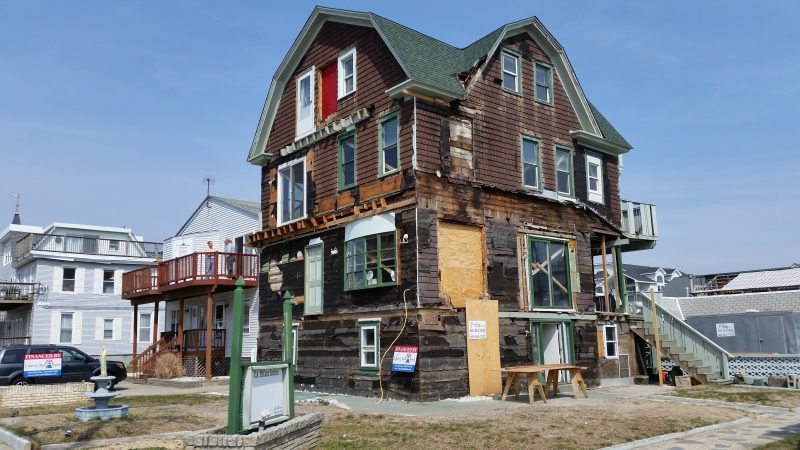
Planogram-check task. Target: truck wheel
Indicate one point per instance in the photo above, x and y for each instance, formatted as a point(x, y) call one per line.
point(19, 381)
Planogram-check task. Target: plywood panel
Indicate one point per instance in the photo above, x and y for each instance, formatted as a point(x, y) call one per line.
point(483, 354)
point(461, 262)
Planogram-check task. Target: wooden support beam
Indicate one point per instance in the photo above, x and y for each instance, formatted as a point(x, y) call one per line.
point(155, 322)
point(657, 336)
point(180, 325)
point(605, 273)
point(135, 334)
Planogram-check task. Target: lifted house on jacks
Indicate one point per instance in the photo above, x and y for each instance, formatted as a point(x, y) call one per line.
point(410, 187)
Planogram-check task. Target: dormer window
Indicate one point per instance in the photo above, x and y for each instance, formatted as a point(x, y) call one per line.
point(594, 178)
point(510, 71)
point(347, 73)
point(305, 103)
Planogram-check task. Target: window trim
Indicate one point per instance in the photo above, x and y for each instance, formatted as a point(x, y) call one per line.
point(340, 73)
point(342, 138)
point(61, 328)
point(517, 77)
point(606, 341)
point(113, 282)
point(310, 73)
point(364, 324)
point(139, 322)
point(381, 123)
point(528, 282)
point(106, 320)
point(527, 137)
point(379, 250)
point(571, 151)
point(599, 195)
point(549, 86)
point(279, 188)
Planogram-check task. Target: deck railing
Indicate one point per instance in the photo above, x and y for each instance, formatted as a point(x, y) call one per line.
point(85, 245)
point(195, 340)
point(20, 340)
point(639, 220)
point(191, 269)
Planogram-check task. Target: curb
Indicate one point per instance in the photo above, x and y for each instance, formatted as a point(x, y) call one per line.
point(14, 441)
point(668, 437)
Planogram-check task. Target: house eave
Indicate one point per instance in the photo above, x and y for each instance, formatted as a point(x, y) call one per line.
point(598, 143)
point(414, 86)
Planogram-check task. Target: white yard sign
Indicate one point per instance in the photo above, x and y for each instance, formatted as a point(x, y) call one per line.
point(266, 395)
point(477, 329)
point(725, 330)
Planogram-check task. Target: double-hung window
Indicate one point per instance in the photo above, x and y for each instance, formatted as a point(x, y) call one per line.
point(371, 261)
point(543, 78)
point(68, 280)
point(65, 335)
point(347, 161)
point(594, 178)
point(347, 73)
point(510, 63)
point(390, 152)
point(548, 263)
point(564, 171)
point(108, 282)
point(530, 162)
point(292, 191)
point(369, 343)
point(611, 342)
point(144, 327)
point(108, 329)
point(305, 103)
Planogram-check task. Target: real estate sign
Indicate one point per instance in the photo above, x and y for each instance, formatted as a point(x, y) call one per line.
point(42, 365)
point(405, 358)
point(266, 395)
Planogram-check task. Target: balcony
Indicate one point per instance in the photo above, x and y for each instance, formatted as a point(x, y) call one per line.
point(196, 269)
point(640, 225)
point(55, 243)
point(13, 294)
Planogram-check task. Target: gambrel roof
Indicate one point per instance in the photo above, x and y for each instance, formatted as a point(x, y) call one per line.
point(431, 67)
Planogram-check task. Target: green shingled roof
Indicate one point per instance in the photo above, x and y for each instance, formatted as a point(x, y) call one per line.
point(609, 132)
point(435, 63)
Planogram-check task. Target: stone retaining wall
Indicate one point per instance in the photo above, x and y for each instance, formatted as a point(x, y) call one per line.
point(44, 394)
point(302, 432)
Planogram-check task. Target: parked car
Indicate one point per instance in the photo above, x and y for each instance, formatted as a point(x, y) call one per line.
point(75, 365)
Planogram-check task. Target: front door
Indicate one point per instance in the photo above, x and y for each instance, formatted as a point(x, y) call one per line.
point(552, 344)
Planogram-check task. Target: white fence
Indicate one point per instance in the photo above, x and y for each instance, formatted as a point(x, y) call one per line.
point(765, 366)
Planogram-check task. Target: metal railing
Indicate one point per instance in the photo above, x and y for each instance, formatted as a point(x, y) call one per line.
point(85, 245)
point(20, 340)
point(691, 341)
point(17, 292)
point(639, 219)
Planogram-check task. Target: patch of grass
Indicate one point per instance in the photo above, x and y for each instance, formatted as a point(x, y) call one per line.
point(767, 397)
point(133, 401)
point(787, 443)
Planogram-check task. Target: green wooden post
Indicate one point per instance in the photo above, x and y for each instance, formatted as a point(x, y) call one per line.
point(621, 289)
point(235, 386)
point(288, 344)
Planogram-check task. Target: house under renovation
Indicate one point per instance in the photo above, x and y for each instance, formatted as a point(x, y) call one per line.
point(413, 191)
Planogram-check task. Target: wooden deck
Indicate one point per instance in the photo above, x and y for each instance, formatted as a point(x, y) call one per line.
point(217, 269)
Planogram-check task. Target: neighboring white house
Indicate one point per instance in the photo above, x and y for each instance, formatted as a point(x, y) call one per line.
point(637, 278)
point(61, 284)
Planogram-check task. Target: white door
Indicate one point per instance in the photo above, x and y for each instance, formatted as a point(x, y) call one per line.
point(313, 300)
point(305, 103)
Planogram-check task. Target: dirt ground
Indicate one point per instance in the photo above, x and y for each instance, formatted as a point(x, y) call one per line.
point(738, 394)
point(578, 426)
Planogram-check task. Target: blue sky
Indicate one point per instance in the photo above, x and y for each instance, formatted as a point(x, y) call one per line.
point(113, 112)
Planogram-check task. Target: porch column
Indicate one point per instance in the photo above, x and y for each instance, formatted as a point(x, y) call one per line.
point(155, 322)
point(209, 305)
point(135, 334)
point(180, 326)
point(621, 288)
point(605, 275)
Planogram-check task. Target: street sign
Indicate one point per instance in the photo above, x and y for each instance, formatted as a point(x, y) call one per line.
point(42, 365)
point(405, 358)
point(266, 395)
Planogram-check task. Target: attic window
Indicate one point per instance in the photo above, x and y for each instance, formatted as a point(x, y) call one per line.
point(544, 82)
point(510, 71)
point(347, 73)
point(305, 103)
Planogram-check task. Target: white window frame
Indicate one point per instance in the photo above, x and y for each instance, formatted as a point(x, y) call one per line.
point(607, 341)
point(363, 325)
point(340, 75)
point(110, 338)
point(596, 195)
point(149, 326)
point(74, 279)
point(307, 126)
point(313, 309)
point(246, 323)
point(504, 71)
point(288, 166)
point(61, 328)
point(113, 282)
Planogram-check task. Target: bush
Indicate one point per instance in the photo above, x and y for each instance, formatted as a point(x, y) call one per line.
point(168, 366)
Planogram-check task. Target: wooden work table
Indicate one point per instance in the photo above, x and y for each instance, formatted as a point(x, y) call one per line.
point(532, 376)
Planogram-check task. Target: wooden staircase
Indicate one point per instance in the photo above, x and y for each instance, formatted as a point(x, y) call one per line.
point(697, 355)
point(145, 362)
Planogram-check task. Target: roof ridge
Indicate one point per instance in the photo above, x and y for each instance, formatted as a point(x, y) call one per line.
point(415, 31)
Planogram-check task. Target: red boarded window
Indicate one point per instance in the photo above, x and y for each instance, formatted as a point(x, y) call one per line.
point(328, 90)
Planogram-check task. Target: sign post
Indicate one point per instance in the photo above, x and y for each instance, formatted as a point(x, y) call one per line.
point(288, 343)
point(235, 385)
